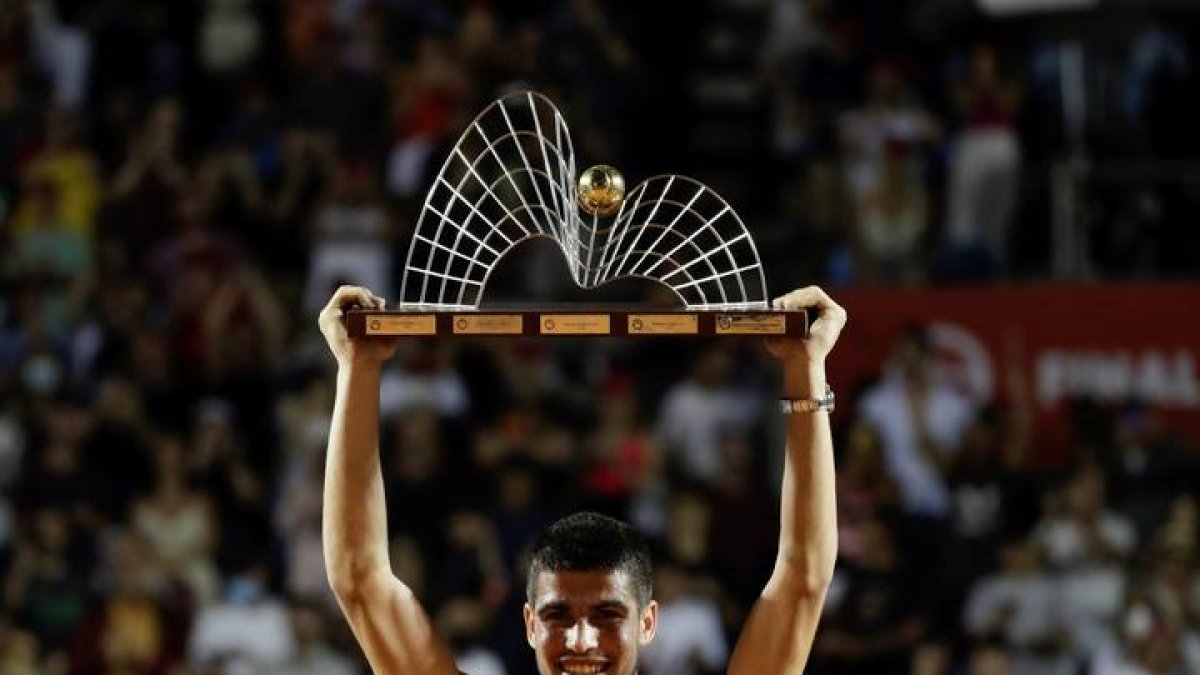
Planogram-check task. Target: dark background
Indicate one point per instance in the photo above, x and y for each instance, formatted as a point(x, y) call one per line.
point(179, 181)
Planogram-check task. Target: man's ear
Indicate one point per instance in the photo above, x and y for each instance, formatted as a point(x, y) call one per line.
point(648, 625)
point(528, 612)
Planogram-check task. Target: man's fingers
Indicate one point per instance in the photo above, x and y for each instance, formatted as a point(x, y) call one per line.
point(345, 296)
point(812, 297)
point(829, 317)
point(802, 298)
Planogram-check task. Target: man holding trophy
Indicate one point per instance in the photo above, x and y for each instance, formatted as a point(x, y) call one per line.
point(589, 602)
point(589, 605)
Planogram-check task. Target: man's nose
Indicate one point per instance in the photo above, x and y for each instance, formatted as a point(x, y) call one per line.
point(582, 637)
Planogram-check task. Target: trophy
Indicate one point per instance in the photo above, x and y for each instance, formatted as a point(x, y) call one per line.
point(511, 177)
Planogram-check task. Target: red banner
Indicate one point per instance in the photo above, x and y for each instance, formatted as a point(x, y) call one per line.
point(1112, 342)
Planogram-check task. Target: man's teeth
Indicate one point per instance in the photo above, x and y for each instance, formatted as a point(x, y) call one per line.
point(583, 668)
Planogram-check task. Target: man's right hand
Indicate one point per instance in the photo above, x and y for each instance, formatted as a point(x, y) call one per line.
point(348, 351)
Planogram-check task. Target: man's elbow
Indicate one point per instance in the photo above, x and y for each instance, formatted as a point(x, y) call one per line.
point(353, 583)
point(347, 589)
point(804, 574)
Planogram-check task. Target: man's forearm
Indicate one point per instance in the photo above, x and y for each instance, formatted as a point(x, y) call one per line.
point(808, 527)
point(778, 635)
point(355, 520)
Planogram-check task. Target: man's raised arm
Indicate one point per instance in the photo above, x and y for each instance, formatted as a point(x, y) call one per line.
point(395, 633)
point(778, 634)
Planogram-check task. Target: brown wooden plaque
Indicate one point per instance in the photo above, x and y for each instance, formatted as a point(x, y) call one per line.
point(576, 321)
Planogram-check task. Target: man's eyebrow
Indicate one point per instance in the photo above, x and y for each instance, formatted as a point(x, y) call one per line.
point(553, 606)
point(605, 605)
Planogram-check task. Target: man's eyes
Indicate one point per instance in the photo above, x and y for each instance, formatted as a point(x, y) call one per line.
point(600, 616)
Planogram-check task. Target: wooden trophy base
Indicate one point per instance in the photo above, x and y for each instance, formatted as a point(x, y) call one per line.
point(575, 321)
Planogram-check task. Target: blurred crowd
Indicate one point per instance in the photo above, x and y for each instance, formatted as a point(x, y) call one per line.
point(182, 185)
point(916, 142)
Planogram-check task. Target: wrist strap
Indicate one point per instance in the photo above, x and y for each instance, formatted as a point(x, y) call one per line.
point(787, 406)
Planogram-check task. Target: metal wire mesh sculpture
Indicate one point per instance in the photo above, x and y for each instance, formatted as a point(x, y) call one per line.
point(511, 176)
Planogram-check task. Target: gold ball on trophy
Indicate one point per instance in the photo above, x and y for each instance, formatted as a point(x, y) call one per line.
point(601, 190)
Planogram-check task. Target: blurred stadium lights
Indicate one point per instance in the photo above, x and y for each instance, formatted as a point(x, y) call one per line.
point(1008, 8)
point(1014, 7)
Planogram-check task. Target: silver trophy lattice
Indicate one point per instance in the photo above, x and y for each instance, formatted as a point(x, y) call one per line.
point(512, 176)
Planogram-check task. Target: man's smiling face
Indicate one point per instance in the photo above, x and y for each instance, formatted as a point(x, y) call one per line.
point(587, 623)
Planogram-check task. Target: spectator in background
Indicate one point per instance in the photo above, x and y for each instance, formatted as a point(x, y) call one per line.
point(177, 525)
point(345, 99)
point(67, 169)
point(131, 630)
point(864, 489)
point(1173, 587)
point(688, 538)
point(63, 50)
point(12, 451)
point(696, 411)
point(116, 455)
point(516, 514)
point(46, 585)
point(304, 419)
point(1087, 544)
point(228, 186)
point(1019, 606)
point(244, 329)
point(228, 34)
point(427, 102)
point(308, 166)
point(54, 258)
point(55, 477)
point(313, 655)
point(148, 185)
point(742, 531)
point(891, 119)
point(462, 621)
point(873, 621)
point(620, 450)
point(984, 171)
point(351, 237)
point(239, 492)
point(989, 658)
point(472, 565)
point(298, 521)
point(797, 46)
point(1145, 644)
point(584, 46)
point(691, 639)
point(426, 380)
point(920, 419)
point(1146, 466)
point(988, 496)
point(420, 477)
point(104, 338)
point(891, 219)
point(192, 265)
point(19, 654)
point(247, 631)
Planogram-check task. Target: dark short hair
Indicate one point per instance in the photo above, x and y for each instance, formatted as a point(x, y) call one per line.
point(586, 542)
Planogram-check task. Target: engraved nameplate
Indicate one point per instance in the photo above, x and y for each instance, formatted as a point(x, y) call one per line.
point(487, 324)
point(399, 324)
point(574, 324)
point(663, 324)
point(751, 324)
